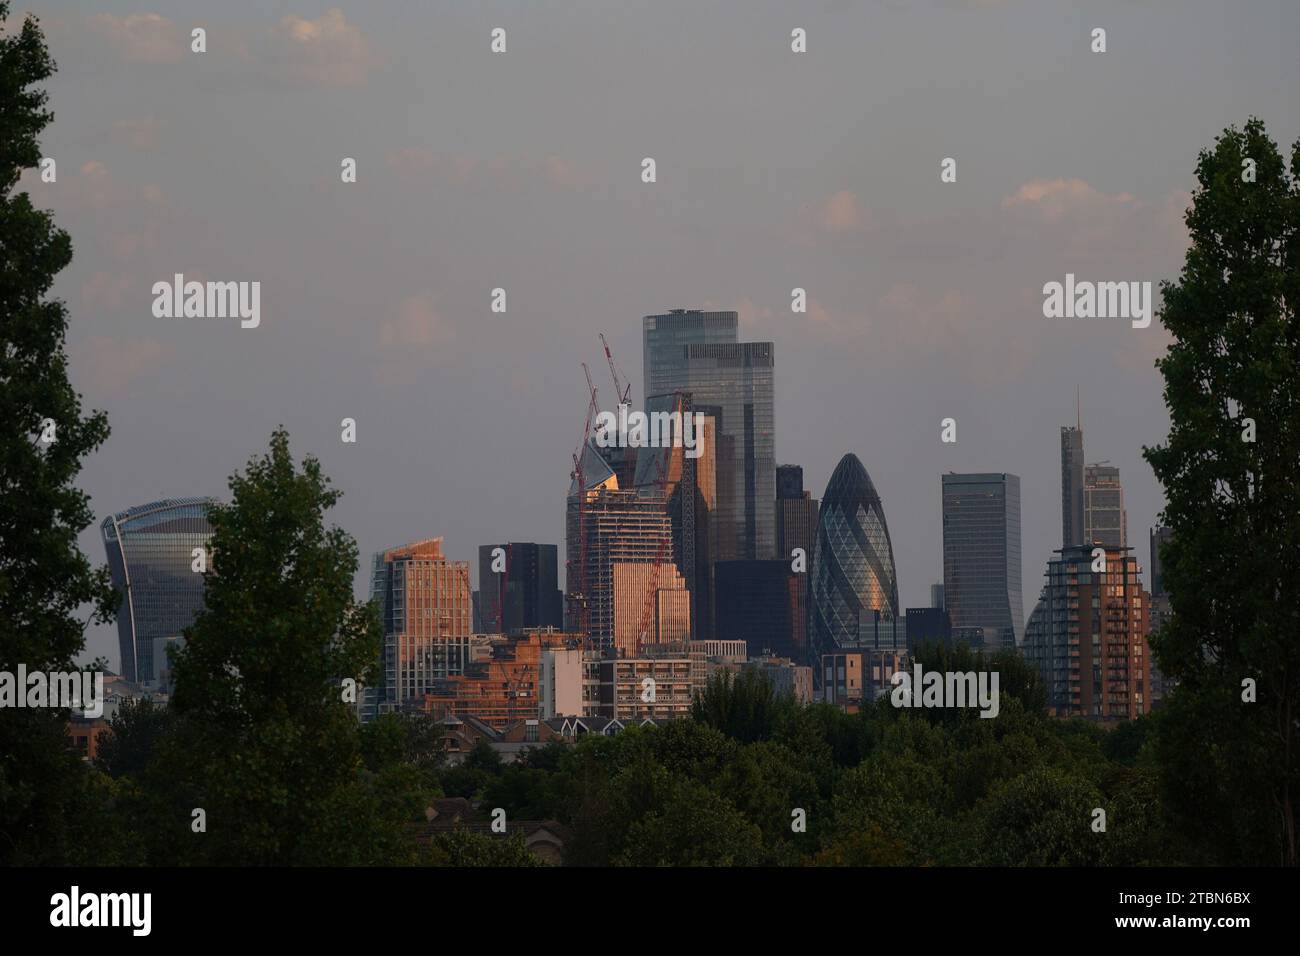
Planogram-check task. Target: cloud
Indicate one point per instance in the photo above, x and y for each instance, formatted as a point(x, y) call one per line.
point(513, 171)
point(141, 37)
point(112, 365)
point(418, 325)
point(326, 52)
point(565, 174)
point(840, 213)
point(106, 290)
point(141, 134)
point(411, 161)
point(1055, 200)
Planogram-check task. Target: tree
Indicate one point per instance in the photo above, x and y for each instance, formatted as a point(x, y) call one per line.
point(1232, 488)
point(44, 577)
point(1042, 818)
point(691, 825)
point(266, 745)
point(743, 706)
point(465, 848)
point(128, 746)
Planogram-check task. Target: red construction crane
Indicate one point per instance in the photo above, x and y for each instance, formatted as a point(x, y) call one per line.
point(621, 392)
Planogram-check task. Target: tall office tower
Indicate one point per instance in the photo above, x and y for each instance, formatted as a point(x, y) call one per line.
point(613, 527)
point(789, 482)
point(852, 573)
point(757, 603)
point(936, 594)
point(151, 559)
point(928, 625)
point(688, 480)
point(796, 527)
point(666, 337)
point(1105, 521)
point(1088, 637)
point(981, 556)
point(669, 621)
point(698, 353)
point(424, 600)
point(518, 587)
point(1072, 526)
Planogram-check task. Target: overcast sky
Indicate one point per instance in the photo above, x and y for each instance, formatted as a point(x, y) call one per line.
point(775, 170)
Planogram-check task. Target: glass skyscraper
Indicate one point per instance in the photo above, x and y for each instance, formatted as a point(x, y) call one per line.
point(1072, 528)
point(853, 582)
point(699, 353)
point(981, 555)
point(1105, 521)
point(150, 556)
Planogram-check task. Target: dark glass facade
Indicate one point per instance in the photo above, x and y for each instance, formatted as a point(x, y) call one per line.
point(525, 594)
point(150, 556)
point(1072, 529)
point(756, 604)
point(981, 556)
point(852, 572)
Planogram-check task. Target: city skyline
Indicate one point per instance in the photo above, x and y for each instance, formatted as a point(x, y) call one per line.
point(912, 317)
point(634, 436)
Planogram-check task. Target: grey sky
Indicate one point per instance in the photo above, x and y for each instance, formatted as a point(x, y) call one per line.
point(522, 170)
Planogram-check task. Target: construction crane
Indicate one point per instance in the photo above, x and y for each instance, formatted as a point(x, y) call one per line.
point(576, 578)
point(621, 392)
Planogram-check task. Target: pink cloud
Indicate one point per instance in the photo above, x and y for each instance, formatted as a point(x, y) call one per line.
point(106, 290)
point(112, 365)
point(840, 213)
point(141, 37)
point(141, 134)
point(411, 160)
point(324, 52)
point(1056, 199)
point(417, 325)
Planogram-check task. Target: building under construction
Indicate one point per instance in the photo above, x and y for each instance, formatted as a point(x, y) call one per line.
point(619, 528)
point(501, 690)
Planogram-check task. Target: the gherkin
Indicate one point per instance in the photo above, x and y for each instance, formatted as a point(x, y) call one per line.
point(852, 572)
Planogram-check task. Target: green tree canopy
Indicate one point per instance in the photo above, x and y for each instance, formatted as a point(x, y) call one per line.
point(1232, 373)
point(45, 580)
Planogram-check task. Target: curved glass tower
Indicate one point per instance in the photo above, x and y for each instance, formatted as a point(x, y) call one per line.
point(852, 572)
point(150, 555)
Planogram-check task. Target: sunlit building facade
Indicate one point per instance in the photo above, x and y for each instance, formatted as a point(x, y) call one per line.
point(425, 603)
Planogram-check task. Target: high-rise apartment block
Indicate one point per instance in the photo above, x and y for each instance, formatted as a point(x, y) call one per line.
point(424, 600)
point(1088, 636)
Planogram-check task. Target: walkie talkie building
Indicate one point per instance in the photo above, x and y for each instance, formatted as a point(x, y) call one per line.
point(151, 556)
